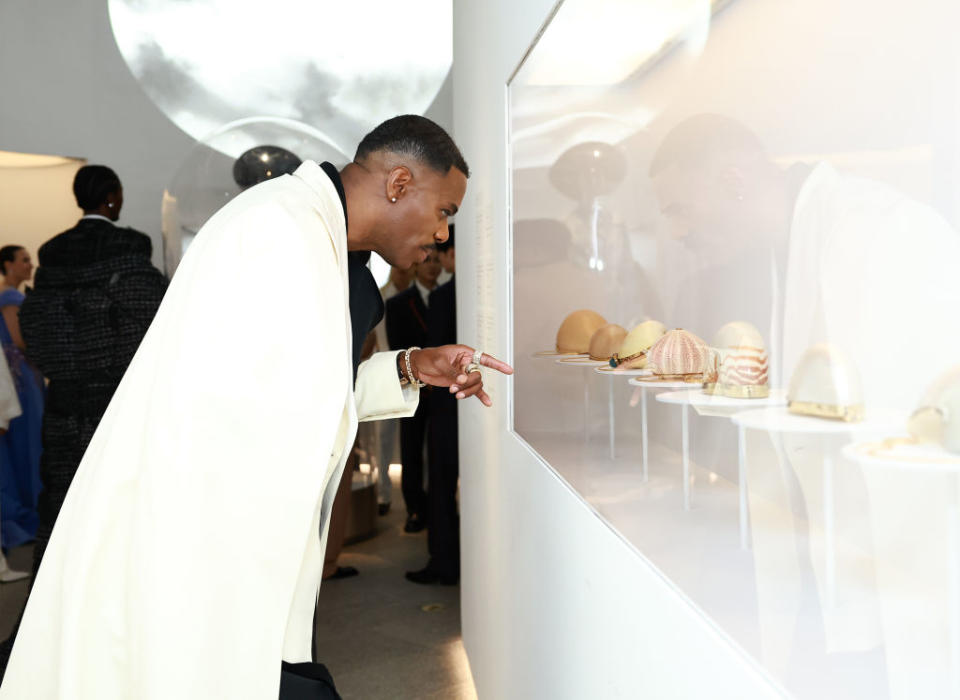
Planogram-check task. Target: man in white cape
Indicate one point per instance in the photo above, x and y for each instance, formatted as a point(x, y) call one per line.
point(187, 558)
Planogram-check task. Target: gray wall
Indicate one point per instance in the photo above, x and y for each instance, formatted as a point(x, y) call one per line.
point(65, 89)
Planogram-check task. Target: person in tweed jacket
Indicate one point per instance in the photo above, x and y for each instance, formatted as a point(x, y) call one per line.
point(96, 293)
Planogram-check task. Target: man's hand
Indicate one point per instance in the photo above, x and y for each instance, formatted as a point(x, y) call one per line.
point(447, 365)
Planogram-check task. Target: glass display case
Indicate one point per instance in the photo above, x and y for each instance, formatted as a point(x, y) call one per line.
point(735, 330)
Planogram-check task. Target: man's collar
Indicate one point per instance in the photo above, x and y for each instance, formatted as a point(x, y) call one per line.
point(334, 176)
point(424, 292)
point(361, 256)
point(96, 216)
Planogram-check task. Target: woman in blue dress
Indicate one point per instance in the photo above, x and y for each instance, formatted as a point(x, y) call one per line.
point(20, 445)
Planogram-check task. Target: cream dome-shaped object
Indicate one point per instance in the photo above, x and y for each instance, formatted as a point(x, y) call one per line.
point(826, 384)
point(679, 356)
point(633, 350)
point(606, 341)
point(738, 334)
point(742, 364)
point(938, 418)
point(577, 329)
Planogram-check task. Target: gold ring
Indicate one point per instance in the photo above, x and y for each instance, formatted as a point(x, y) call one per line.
point(472, 367)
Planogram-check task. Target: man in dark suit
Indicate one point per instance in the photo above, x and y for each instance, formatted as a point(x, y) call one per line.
point(407, 327)
point(443, 461)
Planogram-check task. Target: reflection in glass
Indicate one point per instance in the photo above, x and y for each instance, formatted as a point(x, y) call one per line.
point(785, 185)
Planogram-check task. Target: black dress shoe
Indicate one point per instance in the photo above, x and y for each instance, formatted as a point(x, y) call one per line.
point(383, 508)
point(343, 572)
point(429, 576)
point(414, 523)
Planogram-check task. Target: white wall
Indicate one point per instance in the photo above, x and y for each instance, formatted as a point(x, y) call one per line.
point(555, 603)
point(66, 90)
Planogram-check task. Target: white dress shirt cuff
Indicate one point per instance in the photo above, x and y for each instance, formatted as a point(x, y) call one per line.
point(378, 392)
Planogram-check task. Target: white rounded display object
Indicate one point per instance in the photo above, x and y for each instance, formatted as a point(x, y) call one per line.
point(650, 382)
point(718, 403)
point(606, 369)
point(579, 361)
point(937, 420)
point(238, 156)
point(826, 384)
point(208, 62)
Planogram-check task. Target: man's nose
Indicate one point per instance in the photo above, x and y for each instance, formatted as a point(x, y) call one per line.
point(443, 233)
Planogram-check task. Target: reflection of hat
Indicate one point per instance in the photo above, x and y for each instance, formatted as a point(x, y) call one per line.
point(577, 329)
point(826, 384)
point(606, 341)
point(938, 418)
point(262, 163)
point(591, 168)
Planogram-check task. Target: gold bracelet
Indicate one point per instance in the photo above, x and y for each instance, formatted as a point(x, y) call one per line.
point(406, 358)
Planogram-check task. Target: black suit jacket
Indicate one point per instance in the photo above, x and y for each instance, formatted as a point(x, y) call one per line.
point(442, 323)
point(442, 315)
point(407, 320)
point(92, 241)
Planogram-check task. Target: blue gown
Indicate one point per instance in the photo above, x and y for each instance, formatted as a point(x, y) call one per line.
point(20, 446)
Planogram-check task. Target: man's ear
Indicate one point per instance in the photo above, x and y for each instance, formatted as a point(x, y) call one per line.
point(398, 182)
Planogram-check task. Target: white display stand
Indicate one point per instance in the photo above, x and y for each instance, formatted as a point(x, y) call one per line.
point(585, 364)
point(712, 405)
point(656, 387)
point(910, 656)
point(781, 421)
point(613, 373)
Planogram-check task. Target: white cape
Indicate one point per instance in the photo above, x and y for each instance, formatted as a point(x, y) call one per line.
point(187, 557)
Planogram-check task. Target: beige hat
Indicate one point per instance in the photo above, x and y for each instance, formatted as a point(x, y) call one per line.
point(826, 384)
point(679, 355)
point(577, 329)
point(633, 351)
point(606, 341)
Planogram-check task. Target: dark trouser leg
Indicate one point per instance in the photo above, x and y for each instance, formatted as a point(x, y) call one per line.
point(412, 433)
point(443, 522)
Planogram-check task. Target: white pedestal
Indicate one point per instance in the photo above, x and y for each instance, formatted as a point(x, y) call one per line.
point(780, 420)
point(646, 386)
point(917, 620)
point(712, 405)
point(584, 364)
point(613, 373)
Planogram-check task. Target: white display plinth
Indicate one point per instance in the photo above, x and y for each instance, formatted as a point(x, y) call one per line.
point(713, 405)
point(585, 364)
point(781, 421)
point(646, 386)
point(613, 373)
point(917, 621)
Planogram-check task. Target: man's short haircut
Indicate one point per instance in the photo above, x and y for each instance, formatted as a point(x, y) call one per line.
point(417, 137)
point(700, 139)
point(447, 244)
point(92, 184)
